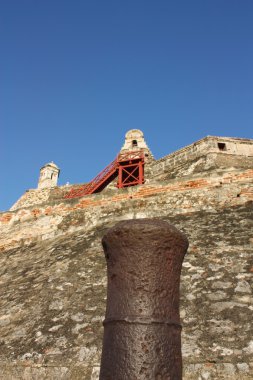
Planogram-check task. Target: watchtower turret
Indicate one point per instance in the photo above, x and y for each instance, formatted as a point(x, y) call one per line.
point(49, 174)
point(134, 141)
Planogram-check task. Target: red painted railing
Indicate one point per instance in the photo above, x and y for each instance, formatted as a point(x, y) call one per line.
point(105, 176)
point(129, 156)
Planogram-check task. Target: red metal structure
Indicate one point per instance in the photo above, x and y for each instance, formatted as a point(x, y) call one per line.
point(129, 167)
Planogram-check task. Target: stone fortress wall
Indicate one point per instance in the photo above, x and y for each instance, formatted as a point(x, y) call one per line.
point(210, 149)
point(53, 277)
point(222, 151)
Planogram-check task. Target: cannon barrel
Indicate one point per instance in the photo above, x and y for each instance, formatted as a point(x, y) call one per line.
point(142, 331)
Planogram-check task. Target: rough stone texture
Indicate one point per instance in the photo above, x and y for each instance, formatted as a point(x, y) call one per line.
point(53, 276)
point(142, 331)
point(205, 155)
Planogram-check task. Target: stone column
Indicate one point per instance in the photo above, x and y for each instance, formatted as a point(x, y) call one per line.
point(142, 331)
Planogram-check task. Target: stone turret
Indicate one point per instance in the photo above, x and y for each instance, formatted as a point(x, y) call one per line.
point(134, 140)
point(49, 174)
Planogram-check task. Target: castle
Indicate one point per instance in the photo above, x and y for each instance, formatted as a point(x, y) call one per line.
point(53, 270)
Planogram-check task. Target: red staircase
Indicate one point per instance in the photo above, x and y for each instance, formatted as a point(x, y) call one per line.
point(130, 168)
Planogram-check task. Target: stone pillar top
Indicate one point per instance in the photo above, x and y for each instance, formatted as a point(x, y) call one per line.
point(134, 140)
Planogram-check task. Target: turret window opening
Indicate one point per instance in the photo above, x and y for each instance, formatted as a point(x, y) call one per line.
point(134, 143)
point(222, 146)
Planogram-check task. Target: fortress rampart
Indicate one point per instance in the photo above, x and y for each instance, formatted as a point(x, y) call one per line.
point(53, 276)
point(232, 150)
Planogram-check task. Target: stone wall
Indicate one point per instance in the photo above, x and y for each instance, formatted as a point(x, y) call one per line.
point(47, 195)
point(53, 276)
point(32, 197)
point(202, 157)
point(205, 154)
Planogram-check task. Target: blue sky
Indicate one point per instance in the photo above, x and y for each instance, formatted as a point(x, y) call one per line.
point(76, 75)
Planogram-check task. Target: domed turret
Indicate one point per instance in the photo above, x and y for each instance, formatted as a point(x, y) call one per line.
point(134, 141)
point(49, 174)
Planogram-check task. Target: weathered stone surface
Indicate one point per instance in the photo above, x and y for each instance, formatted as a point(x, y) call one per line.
point(53, 276)
point(142, 330)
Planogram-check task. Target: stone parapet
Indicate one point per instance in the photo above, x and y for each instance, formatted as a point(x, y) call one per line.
point(211, 147)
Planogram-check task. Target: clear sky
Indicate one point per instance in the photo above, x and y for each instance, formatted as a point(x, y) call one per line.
point(75, 75)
